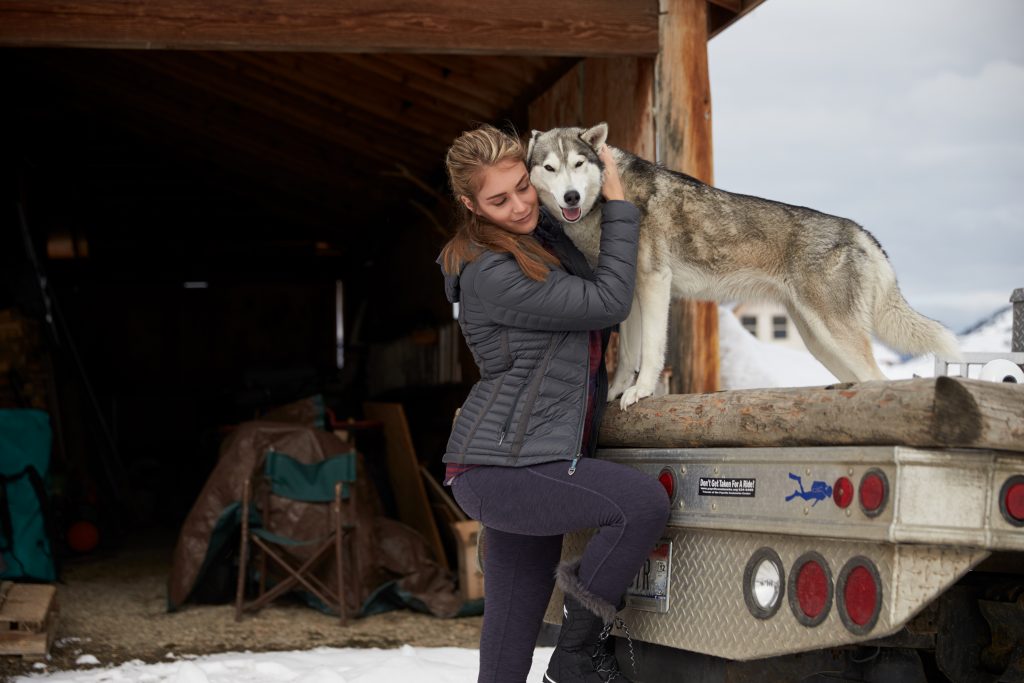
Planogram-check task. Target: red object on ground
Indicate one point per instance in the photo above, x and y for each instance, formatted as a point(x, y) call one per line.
point(83, 537)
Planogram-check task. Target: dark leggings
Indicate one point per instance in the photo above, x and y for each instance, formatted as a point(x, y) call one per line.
point(525, 511)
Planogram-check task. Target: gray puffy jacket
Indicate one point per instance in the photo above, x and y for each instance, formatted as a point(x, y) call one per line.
point(531, 342)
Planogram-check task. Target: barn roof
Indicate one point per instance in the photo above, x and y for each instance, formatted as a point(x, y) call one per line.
point(315, 100)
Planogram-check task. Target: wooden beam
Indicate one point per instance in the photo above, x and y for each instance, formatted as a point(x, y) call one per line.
point(274, 98)
point(944, 412)
point(561, 104)
point(526, 27)
point(683, 105)
point(348, 113)
point(419, 84)
point(620, 91)
point(209, 120)
point(734, 6)
point(585, 96)
point(724, 13)
point(350, 87)
point(504, 76)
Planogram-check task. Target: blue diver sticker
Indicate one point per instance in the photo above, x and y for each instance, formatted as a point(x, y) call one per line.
point(728, 486)
point(820, 490)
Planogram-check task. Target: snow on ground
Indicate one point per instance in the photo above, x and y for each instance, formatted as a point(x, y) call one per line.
point(322, 665)
point(749, 363)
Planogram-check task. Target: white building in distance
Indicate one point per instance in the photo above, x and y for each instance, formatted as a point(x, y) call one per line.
point(769, 322)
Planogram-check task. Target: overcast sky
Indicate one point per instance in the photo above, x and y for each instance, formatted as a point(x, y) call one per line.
point(906, 116)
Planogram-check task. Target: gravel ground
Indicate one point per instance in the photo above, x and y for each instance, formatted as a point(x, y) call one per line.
point(114, 608)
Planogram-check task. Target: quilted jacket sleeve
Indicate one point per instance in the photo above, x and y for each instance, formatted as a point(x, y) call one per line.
point(563, 301)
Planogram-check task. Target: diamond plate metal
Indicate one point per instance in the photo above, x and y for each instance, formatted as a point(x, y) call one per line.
point(707, 612)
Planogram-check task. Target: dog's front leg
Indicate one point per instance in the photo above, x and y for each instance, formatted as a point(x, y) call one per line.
point(653, 298)
point(628, 358)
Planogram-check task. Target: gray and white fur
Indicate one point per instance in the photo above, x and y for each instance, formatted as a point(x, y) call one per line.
point(700, 242)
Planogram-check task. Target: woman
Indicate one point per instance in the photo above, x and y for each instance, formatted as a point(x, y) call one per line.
point(532, 312)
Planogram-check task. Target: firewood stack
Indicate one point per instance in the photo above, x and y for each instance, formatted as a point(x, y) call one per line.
point(24, 362)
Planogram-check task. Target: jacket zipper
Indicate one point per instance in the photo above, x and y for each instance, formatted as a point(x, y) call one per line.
point(511, 413)
point(583, 413)
point(586, 391)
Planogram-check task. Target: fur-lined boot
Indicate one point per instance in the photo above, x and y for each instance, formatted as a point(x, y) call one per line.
point(585, 652)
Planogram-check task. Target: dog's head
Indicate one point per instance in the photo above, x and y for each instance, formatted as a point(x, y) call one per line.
point(565, 169)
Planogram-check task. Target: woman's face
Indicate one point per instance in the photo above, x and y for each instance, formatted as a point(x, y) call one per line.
point(506, 197)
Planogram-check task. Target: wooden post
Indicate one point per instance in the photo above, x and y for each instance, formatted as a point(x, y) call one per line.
point(683, 124)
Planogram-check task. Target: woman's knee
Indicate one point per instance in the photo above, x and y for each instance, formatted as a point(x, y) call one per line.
point(650, 504)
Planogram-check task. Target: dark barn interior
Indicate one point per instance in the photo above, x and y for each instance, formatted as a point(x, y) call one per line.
point(225, 232)
point(213, 210)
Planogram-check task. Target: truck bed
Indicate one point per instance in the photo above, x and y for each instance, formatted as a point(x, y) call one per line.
point(900, 483)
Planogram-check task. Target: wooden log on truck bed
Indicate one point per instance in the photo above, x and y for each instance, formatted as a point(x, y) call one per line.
point(941, 412)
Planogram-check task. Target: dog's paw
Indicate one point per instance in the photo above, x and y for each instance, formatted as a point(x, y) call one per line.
point(616, 389)
point(621, 381)
point(634, 394)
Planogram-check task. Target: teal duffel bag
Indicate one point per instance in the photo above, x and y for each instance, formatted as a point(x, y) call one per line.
point(25, 552)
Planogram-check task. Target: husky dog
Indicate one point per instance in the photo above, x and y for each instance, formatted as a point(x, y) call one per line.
point(699, 242)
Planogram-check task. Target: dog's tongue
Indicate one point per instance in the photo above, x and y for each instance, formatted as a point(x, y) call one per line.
point(571, 214)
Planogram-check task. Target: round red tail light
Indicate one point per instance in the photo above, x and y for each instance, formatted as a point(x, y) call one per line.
point(874, 492)
point(1011, 500)
point(810, 589)
point(860, 595)
point(842, 492)
point(667, 478)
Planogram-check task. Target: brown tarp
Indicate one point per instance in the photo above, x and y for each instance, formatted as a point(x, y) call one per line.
point(387, 550)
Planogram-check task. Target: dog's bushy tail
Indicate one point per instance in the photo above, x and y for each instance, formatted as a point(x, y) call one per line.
point(906, 330)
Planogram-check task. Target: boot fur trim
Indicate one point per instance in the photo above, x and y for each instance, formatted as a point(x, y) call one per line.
point(568, 580)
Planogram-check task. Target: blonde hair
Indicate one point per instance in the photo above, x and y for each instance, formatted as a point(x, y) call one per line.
point(466, 160)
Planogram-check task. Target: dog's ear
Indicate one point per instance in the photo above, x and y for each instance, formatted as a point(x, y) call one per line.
point(596, 136)
point(534, 134)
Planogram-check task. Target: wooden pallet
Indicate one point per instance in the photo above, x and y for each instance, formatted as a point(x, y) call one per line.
point(403, 470)
point(471, 579)
point(28, 618)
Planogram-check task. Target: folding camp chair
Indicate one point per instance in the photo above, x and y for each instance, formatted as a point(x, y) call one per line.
point(329, 483)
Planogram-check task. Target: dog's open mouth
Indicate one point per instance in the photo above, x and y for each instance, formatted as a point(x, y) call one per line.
point(571, 215)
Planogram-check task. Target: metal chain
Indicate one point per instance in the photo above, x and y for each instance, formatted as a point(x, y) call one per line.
point(629, 641)
point(602, 655)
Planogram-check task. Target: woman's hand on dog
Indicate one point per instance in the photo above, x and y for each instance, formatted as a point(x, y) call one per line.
point(612, 188)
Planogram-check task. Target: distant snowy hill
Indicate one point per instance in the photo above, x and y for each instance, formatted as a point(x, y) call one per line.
point(748, 363)
point(992, 334)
